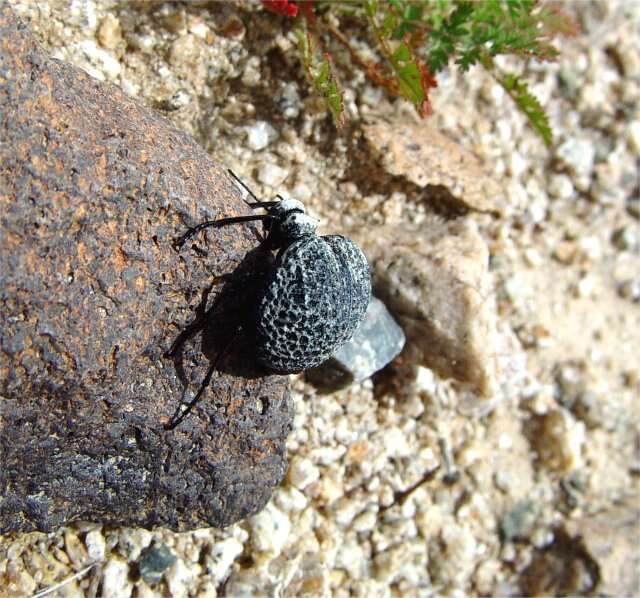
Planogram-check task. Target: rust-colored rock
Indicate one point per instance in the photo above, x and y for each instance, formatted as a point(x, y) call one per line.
point(93, 189)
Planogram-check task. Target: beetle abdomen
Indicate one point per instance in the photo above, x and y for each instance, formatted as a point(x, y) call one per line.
point(314, 301)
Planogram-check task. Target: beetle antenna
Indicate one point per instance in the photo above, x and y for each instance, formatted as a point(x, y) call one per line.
point(180, 241)
point(245, 187)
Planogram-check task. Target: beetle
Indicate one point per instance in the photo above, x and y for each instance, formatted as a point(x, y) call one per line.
point(314, 297)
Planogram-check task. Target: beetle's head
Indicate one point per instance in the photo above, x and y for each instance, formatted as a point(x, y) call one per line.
point(290, 222)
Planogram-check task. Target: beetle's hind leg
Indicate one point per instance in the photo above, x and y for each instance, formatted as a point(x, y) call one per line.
point(181, 413)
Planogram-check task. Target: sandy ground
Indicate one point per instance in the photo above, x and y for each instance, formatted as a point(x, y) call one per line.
point(538, 486)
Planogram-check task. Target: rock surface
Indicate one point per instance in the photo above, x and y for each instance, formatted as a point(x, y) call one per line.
point(93, 189)
point(435, 280)
point(427, 158)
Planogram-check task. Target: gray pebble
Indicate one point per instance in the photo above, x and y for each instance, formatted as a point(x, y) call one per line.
point(375, 343)
point(154, 561)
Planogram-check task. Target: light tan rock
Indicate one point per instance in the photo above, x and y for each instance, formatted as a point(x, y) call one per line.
point(428, 158)
point(435, 279)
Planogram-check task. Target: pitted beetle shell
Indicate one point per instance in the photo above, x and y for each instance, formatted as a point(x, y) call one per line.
point(315, 299)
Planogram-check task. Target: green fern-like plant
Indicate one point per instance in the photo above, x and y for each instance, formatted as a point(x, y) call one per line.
point(418, 39)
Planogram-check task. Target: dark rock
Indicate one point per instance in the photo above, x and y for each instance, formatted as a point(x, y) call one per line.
point(93, 189)
point(375, 343)
point(154, 561)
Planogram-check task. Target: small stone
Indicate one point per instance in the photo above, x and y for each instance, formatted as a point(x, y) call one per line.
point(365, 522)
point(260, 135)
point(586, 286)
point(518, 523)
point(541, 538)
point(591, 248)
point(270, 530)
point(578, 153)
point(517, 165)
point(625, 238)
point(115, 578)
point(565, 252)
point(570, 379)
point(633, 137)
point(560, 186)
point(302, 472)
point(533, 257)
point(221, 557)
point(102, 65)
point(376, 342)
point(132, 541)
point(179, 577)
point(109, 32)
point(96, 545)
point(429, 159)
point(154, 561)
point(291, 499)
point(435, 279)
point(351, 557)
point(251, 73)
point(395, 443)
point(271, 175)
point(183, 51)
point(289, 101)
point(559, 440)
point(75, 549)
point(630, 289)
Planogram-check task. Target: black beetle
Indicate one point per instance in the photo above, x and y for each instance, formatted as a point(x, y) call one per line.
point(313, 299)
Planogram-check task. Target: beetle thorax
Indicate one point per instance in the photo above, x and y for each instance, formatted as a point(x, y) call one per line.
point(291, 221)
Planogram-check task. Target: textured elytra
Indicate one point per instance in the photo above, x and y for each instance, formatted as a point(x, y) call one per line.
point(315, 299)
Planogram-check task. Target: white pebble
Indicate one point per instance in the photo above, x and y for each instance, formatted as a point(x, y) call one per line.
point(178, 578)
point(270, 530)
point(272, 175)
point(579, 154)
point(221, 558)
point(517, 165)
point(115, 578)
point(560, 186)
point(395, 443)
point(96, 546)
point(106, 65)
point(260, 135)
point(591, 248)
point(302, 472)
point(364, 522)
point(586, 286)
point(351, 557)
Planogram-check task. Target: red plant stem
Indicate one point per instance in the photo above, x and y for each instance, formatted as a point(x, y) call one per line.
point(370, 70)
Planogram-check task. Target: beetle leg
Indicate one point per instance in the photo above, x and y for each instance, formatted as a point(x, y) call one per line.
point(180, 241)
point(178, 416)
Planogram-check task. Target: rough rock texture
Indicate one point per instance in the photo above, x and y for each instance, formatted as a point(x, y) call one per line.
point(427, 158)
point(434, 278)
point(93, 188)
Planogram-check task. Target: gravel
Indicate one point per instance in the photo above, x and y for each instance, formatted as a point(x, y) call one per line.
point(357, 513)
